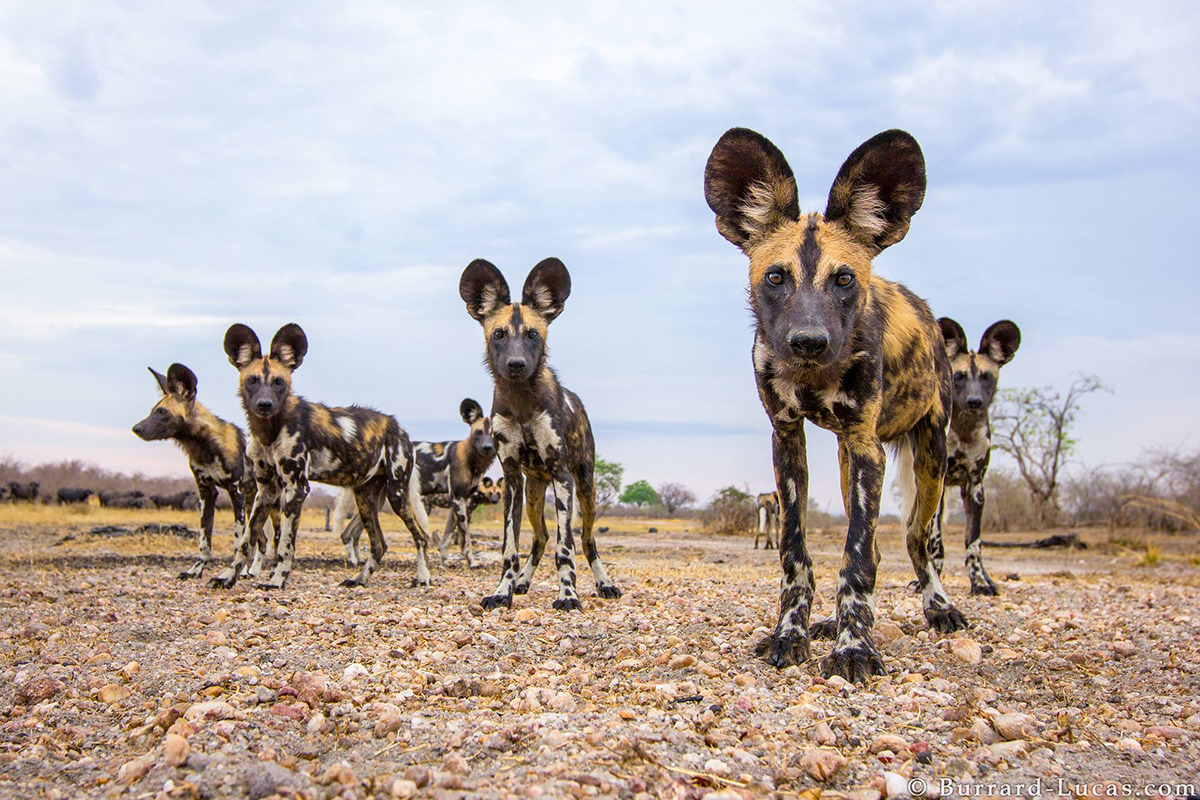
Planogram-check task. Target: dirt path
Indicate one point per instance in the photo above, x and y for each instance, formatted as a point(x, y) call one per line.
point(1086, 669)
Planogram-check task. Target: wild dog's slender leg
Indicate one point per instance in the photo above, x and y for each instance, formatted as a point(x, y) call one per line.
point(762, 524)
point(937, 547)
point(585, 495)
point(448, 536)
point(788, 643)
point(981, 582)
point(208, 504)
point(266, 498)
point(564, 553)
point(462, 522)
point(344, 516)
point(510, 559)
point(772, 529)
point(404, 494)
point(350, 538)
point(367, 499)
point(928, 441)
point(854, 656)
point(268, 546)
point(293, 474)
point(826, 628)
point(535, 509)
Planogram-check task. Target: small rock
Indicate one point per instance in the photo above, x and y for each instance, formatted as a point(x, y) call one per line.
point(354, 671)
point(1129, 745)
point(264, 778)
point(887, 632)
point(176, 749)
point(983, 732)
point(1014, 726)
point(1166, 732)
point(822, 734)
point(455, 764)
point(966, 650)
point(35, 691)
point(1010, 749)
point(716, 766)
point(896, 785)
point(889, 741)
point(317, 723)
point(821, 765)
point(682, 662)
point(403, 788)
point(133, 771)
point(339, 773)
point(290, 710)
point(210, 710)
point(526, 615)
point(113, 693)
point(744, 679)
point(1124, 649)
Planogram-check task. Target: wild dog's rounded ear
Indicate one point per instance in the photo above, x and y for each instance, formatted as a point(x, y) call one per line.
point(749, 186)
point(878, 189)
point(954, 336)
point(486, 482)
point(289, 346)
point(182, 381)
point(470, 411)
point(483, 289)
point(162, 380)
point(547, 288)
point(1000, 341)
point(241, 345)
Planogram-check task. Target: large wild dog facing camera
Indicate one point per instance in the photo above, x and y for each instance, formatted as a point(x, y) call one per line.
point(849, 351)
point(542, 433)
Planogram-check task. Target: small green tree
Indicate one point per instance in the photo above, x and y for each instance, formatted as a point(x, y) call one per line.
point(608, 475)
point(639, 493)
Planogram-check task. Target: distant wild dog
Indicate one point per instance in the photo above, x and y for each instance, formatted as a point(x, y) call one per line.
point(345, 515)
point(215, 449)
point(542, 431)
point(850, 352)
point(969, 444)
point(68, 495)
point(767, 507)
point(294, 441)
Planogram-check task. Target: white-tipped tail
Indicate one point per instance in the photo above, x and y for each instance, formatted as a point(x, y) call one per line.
point(762, 519)
point(906, 479)
point(417, 504)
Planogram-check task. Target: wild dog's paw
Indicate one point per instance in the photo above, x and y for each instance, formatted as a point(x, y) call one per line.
point(914, 586)
point(496, 600)
point(608, 590)
point(856, 664)
point(194, 571)
point(823, 629)
point(353, 582)
point(986, 588)
point(520, 588)
point(783, 651)
point(225, 580)
point(420, 582)
point(947, 620)
point(568, 604)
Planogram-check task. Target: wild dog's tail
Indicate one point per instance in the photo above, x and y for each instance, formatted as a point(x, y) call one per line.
point(762, 517)
point(906, 479)
point(416, 503)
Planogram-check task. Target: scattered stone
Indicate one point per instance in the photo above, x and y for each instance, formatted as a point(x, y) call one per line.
point(820, 764)
point(176, 749)
point(38, 690)
point(966, 650)
point(1014, 726)
point(113, 693)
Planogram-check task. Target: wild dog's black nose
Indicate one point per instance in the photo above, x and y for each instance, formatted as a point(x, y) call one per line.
point(138, 430)
point(808, 343)
point(516, 366)
point(974, 403)
point(487, 448)
point(265, 406)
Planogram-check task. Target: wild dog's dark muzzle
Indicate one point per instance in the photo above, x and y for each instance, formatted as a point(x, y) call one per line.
point(808, 342)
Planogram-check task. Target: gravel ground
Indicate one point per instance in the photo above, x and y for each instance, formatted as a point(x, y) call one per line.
point(116, 678)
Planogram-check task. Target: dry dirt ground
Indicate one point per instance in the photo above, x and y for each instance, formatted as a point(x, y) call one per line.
point(118, 679)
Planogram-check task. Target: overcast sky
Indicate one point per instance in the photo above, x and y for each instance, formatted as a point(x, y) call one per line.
point(169, 169)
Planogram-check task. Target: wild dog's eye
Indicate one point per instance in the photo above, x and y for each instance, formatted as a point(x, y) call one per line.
point(498, 333)
point(775, 277)
point(844, 279)
point(252, 380)
point(532, 335)
point(277, 382)
point(162, 412)
point(987, 376)
point(960, 376)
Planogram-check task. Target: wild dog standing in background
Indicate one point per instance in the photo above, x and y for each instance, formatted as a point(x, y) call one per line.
point(453, 469)
point(488, 492)
point(216, 452)
point(850, 352)
point(767, 507)
point(294, 441)
point(542, 432)
point(969, 444)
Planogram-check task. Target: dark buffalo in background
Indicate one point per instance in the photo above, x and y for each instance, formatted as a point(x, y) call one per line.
point(68, 495)
point(133, 499)
point(186, 500)
point(23, 491)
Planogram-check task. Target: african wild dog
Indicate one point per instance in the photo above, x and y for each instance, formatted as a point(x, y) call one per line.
point(215, 449)
point(346, 517)
point(848, 351)
point(293, 441)
point(542, 431)
point(68, 495)
point(969, 443)
point(767, 507)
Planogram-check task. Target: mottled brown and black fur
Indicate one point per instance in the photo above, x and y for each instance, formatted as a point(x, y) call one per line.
point(453, 469)
point(975, 373)
point(216, 453)
point(848, 351)
point(542, 431)
point(294, 441)
point(766, 506)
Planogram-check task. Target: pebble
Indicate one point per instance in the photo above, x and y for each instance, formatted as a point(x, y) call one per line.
point(1014, 726)
point(209, 710)
point(822, 734)
point(716, 766)
point(1129, 745)
point(820, 764)
point(176, 749)
point(133, 771)
point(354, 671)
point(895, 785)
point(37, 690)
point(403, 788)
point(113, 693)
point(887, 632)
point(526, 615)
point(966, 650)
point(889, 741)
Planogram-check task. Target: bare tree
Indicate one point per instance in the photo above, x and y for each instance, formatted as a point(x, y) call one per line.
point(675, 496)
point(1034, 427)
